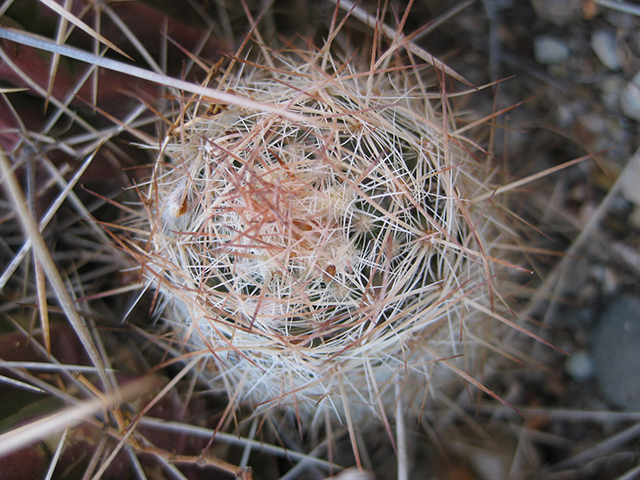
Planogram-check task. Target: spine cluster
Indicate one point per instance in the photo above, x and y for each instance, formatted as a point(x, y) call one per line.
point(326, 263)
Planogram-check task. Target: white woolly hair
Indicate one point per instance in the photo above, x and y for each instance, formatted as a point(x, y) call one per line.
point(326, 264)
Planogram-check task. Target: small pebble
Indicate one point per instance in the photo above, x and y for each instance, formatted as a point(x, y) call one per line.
point(615, 352)
point(579, 367)
point(593, 122)
point(631, 180)
point(558, 12)
point(489, 465)
point(550, 50)
point(611, 89)
point(630, 98)
point(603, 43)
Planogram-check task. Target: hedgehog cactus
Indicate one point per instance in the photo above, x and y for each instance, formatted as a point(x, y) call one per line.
point(322, 263)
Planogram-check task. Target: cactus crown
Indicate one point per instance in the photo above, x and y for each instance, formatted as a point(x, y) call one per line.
point(321, 262)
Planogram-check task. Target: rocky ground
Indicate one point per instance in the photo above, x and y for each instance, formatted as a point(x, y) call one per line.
point(576, 64)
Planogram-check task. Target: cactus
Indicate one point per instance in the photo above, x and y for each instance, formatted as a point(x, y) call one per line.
point(322, 237)
point(324, 264)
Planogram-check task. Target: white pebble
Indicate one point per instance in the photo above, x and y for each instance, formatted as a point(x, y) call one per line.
point(615, 347)
point(630, 98)
point(603, 43)
point(579, 367)
point(611, 89)
point(631, 180)
point(550, 50)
